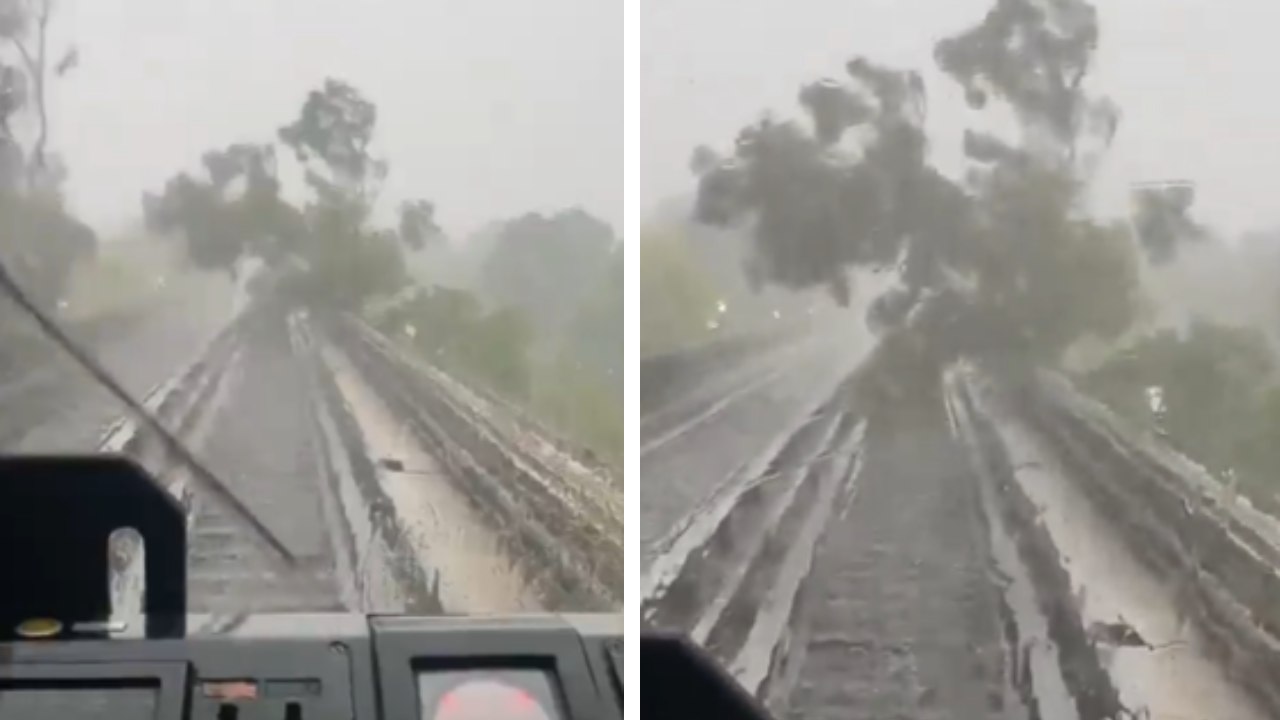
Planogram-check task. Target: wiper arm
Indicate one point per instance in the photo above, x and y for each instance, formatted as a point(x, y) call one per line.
point(203, 475)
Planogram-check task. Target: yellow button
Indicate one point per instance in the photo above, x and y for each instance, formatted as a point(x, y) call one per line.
point(39, 628)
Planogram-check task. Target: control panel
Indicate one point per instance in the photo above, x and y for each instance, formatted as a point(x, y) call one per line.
point(322, 667)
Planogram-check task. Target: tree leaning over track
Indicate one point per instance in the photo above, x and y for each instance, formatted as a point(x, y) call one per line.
point(327, 252)
point(1002, 261)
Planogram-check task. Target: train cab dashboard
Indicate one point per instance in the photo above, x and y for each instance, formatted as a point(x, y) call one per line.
point(56, 517)
point(321, 667)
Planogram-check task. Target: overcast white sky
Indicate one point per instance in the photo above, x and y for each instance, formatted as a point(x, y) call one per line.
point(1191, 77)
point(490, 108)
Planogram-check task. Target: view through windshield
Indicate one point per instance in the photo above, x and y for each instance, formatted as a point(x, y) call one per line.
point(361, 259)
point(959, 325)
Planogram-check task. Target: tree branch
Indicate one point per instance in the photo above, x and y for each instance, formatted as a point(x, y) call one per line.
point(43, 138)
point(27, 60)
point(35, 68)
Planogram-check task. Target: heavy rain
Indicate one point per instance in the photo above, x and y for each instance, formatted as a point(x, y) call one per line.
point(361, 265)
point(989, 427)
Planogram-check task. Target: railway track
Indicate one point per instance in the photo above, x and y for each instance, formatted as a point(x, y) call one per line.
point(564, 527)
point(244, 410)
point(263, 410)
point(904, 564)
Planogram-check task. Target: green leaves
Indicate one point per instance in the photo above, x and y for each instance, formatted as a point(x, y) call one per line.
point(333, 129)
point(417, 224)
point(1219, 397)
point(236, 211)
point(1034, 55)
point(548, 264)
point(325, 252)
point(676, 299)
point(452, 329)
point(1162, 219)
point(1007, 250)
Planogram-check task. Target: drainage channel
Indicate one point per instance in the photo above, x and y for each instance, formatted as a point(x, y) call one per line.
point(1178, 678)
point(437, 522)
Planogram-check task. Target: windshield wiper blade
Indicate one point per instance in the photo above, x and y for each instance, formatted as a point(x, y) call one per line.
point(202, 474)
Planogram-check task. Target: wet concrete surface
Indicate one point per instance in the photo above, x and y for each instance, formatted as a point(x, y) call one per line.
point(477, 576)
point(565, 533)
point(1179, 675)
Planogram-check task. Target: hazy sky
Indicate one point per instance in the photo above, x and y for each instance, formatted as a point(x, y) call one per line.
point(490, 108)
point(1190, 76)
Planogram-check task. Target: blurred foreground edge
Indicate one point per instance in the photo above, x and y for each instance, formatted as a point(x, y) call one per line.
point(678, 679)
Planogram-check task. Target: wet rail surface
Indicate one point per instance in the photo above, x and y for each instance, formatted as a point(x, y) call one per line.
point(295, 437)
point(263, 443)
point(898, 565)
point(687, 458)
point(900, 615)
point(850, 577)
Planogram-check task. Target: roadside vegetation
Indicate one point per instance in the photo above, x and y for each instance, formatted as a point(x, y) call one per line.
point(677, 299)
point(562, 368)
point(1212, 391)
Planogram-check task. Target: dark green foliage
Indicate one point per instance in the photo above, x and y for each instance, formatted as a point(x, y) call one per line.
point(237, 211)
point(331, 136)
point(452, 329)
point(583, 404)
point(548, 266)
point(1219, 400)
point(1006, 255)
point(417, 224)
point(676, 298)
point(1162, 220)
point(326, 253)
point(595, 335)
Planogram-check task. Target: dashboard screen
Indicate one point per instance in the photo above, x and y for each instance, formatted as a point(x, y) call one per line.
point(498, 694)
point(40, 703)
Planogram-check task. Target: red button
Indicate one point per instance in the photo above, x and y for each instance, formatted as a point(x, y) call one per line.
point(488, 700)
